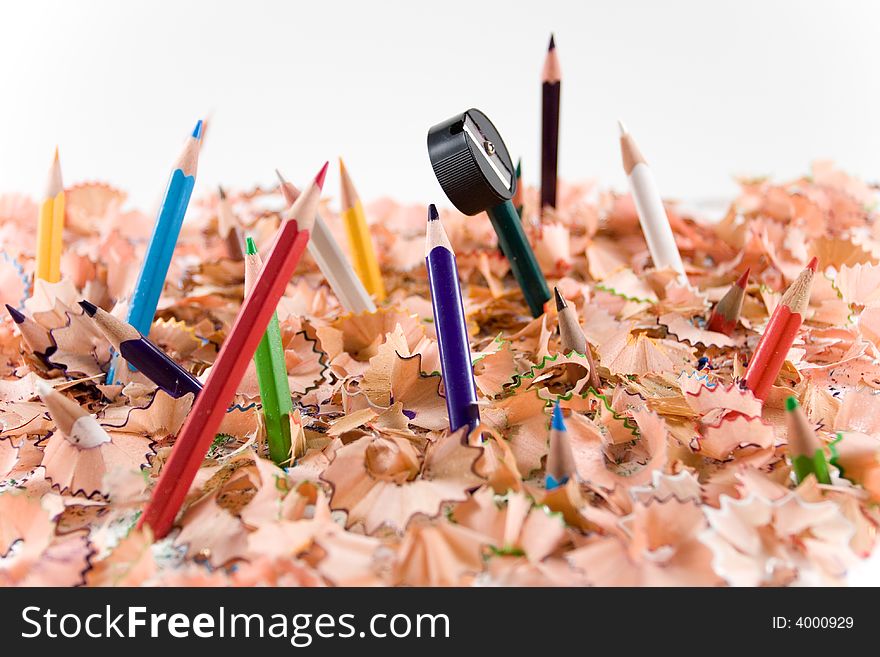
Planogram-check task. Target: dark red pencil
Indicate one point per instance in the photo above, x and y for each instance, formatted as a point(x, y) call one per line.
point(725, 315)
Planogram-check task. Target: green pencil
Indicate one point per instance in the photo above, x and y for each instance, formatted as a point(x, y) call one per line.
point(805, 450)
point(271, 372)
point(515, 245)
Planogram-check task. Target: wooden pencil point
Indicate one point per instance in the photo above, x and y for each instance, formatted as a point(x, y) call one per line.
point(560, 300)
point(17, 316)
point(89, 308)
point(805, 450)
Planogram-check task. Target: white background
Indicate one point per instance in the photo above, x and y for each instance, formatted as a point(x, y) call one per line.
point(709, 89)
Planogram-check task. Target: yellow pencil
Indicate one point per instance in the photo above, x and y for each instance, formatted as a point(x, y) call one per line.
point(365, 263)
point(50, 227)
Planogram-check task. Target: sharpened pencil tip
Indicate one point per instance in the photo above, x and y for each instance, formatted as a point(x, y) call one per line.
point(743, 280)
point(519, 169)
point(89, 308)
point(197, 131)
point(622, 127)
point(43, 388)
point(17, 317)
point(281, 178)
point(56, 154)
point(552, 45)
point(558, 423)
point(319, 179)
point(250, 246)
point(222, 192)
point(791, 403)
point(560, 300)
point(341, 167)
point(813, 264)
point(433, 215)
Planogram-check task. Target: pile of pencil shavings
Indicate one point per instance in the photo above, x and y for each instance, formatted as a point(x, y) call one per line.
point(683, 478)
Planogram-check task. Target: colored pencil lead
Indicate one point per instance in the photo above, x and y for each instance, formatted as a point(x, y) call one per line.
point(726, 313)
point(572, 338)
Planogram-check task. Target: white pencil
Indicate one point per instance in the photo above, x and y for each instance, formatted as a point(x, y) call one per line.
point(649, 204)
point(332, 261)
point(75, 423)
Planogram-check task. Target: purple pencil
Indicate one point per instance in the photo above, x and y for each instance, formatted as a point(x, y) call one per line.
point(143, 354)
point(451, 325)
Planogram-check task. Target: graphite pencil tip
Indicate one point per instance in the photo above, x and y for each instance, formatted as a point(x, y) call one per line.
point(813, 264)
point(621, 127)
point(552, 45)
point(791, 403)
point(17, 317)
point(222, 192)
point(43, 389)
point(89, 308)
point(250, 246)
point(433, 215)
point(557, 424)
point(560, 300)
point(319, 179)
point(197, 131)
point(743, 280)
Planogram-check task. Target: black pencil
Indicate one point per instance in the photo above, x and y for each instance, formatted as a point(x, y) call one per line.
point(141, 352)
point(551, 85)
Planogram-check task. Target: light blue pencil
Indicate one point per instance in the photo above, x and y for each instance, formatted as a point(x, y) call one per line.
point(151, 279)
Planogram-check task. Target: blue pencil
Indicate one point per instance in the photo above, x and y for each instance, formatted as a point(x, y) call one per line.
point(451, 325)
point(151, 279)
point(560, 459)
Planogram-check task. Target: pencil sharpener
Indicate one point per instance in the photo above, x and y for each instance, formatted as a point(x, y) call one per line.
point(471, 162)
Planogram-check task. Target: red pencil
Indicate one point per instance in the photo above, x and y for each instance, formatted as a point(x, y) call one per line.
point(725, 315)
point(780, 333)
point(238, 349)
